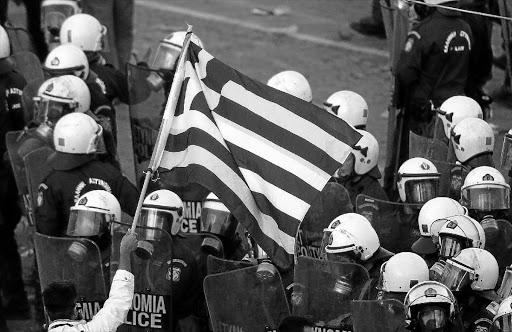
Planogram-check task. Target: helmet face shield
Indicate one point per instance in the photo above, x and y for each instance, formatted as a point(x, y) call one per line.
point(505, 289)
point(84, 223)
point(49, 110)
point(166, 56)
point(432, 318)
point(219, 222)
point(343, 257)
point(486, 198)
point(456, 276)
point(155, 218)
point(419, 191)
point(503, 323)
point(451, 246)
point(54, 15)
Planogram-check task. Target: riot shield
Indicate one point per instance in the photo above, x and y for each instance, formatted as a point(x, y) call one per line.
point(239, 301)
point(28, 65)
point(36, 169)
point(505, 8)
point(216, 265)
point(378, 316)
point(326, 290)
point(395, 223)
point(152, 302)
point(395, 15)
point(76, 259)
point(29, 92)
point(498, 241)
point(333, 201)
point(147, 98)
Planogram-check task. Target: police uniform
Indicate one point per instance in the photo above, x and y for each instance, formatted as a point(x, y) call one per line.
point(112, 80)
point(62, 187)
point(477, 314)
point(367, 184)
point(433, 67)
point(11, 118)
point(373, 265)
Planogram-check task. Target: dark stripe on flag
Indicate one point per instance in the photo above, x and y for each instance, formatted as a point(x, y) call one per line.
point(286, 223)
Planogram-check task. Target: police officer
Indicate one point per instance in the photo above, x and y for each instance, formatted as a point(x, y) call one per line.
point(360, 173)
point(11, 118)
point(472, 275)
point(433, 66)
point(354, 240)
point(502, 321)
point(349, 106)
point(86, 32)
point(473, 142)
point(431, 306)
point(163, 209)
point(75, 171)
point(395, 280)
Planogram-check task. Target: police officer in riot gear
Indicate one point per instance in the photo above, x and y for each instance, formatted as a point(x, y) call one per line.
point(354, 240)
point(349, 106)
point(455, 109)
point(163, 209)
point(360, 174)
point(431, 306)
point(472, 275)
point(11, 118)
point(502, 321)
point(75, 171)
point(418, 181)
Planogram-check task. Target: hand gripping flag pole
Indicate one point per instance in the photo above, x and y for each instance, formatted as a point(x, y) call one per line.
point(165, 126)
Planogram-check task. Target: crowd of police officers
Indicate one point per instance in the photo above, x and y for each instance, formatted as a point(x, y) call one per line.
point(430, 253)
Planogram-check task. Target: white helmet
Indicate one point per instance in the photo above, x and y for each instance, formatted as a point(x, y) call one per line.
point(403, 271)
point(355, 237)
point(472, 137)
point(5, 44)
point(84, 31)
point(438, 2)
point(456, 109)
point(351, 217)
point(485, 189)
point(366, 153)
point(77, 133)
point(458, 233)
point(503, 319)
point(67, 59)
point(170, 47)
point(418, 180)
point(61, 95)
point(435, 209)
point(472, 267)
point(92, 213)
point(349, 106)
point(161, 209)
point(428, 292)
point(293, 83)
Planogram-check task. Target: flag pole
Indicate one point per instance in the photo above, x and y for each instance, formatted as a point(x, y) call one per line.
point(165, 126)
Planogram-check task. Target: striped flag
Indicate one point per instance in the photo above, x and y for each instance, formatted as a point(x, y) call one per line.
point(264, 153)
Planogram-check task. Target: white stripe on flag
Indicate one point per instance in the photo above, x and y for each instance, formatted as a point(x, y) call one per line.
point(271, 152)
point(282, 200)
point(287, 120)
point(200, 156)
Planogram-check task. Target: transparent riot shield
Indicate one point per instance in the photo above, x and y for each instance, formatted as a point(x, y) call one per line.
point(152, 267)
point(195, 241)
point(332, 202)
point(75, 259)
point(505, 8)
point(147, 100)
point(395, 15)
point(395, 223)
point(239, 301)
point(36, 168)
point(326, 290)
point(29, 92)
point(498, 241)
point(28, 65)
point(378, 316)
point(218, 265)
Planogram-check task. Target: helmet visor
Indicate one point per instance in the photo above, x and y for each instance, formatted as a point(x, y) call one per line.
point(505, 289)
point(503, 323)
point(432, 318)
point(54, 15)
point(343, 257)
point(456, 276)
point(166, 56)
point(154, 218)
point(217, 222)
point(48, 110)
point(451, 246)
point(419, 191)
point(86, 222)
point(487, 198)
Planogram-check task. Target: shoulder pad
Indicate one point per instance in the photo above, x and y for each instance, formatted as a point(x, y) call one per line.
point(493, 307)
